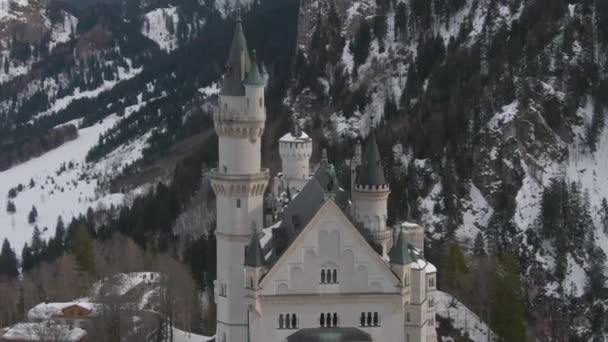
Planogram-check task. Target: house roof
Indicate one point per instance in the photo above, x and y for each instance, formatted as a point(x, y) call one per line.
point(44, 311)
point(371, 171)
point(254, 256)
point(330, 335)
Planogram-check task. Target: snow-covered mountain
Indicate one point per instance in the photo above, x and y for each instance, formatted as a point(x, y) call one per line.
point(482, 106)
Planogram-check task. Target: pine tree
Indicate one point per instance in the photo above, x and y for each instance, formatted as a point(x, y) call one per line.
point(401, 22)
point(456, 265)
point(479, 248)
point(604, 215)
point(361, 46)
point(27, 258)
point(9, 266)
point(509, 308)
point(83, 251)
point(37, 244)
point(10, 207)
point(33, 215)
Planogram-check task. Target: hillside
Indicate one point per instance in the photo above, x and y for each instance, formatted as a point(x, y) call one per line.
point(491, 119)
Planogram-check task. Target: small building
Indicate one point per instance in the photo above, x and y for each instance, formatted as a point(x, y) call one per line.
point(76, 314)
point(43, 332)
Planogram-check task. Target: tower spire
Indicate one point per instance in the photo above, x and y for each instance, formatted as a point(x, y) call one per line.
point(238, 63)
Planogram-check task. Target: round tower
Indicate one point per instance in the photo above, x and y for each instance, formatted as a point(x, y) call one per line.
point(370, 196)
point(239, 183)
point(295, 149)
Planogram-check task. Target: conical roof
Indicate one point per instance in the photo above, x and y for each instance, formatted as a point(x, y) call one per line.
point(254, 77)
point(254, 256)
point(371, 171)
point(400, 253)
point(238, 64)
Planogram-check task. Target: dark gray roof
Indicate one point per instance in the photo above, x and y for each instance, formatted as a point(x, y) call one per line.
point(326, 176)
point(296, 130)
point(371, 171)
point(400, 253)
point(238, 63)
point(254, 77)
point(254, 256)
point(330, 335)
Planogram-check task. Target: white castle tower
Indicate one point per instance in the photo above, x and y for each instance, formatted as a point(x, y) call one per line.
point(239, 183)
point(295, 149)
point(370, 196)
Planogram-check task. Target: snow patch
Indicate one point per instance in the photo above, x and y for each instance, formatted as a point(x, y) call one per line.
point(160, 26)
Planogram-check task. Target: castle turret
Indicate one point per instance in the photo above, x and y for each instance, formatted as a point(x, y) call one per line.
point(295, 149)
point(239, 183)
point(370, 196)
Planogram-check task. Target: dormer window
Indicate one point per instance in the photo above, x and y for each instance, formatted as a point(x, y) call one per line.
point(329, 276)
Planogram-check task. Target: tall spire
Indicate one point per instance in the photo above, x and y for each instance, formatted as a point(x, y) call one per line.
point(371, 171)
point(254, 77)
point(239, 62)
point(254, 256)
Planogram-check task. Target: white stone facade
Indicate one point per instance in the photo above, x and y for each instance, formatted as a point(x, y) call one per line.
point(327, 274)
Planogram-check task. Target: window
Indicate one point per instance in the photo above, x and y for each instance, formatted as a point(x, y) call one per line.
point(238, 203)
point(223, 292)
point(431, 302)
point(247, 103)
point(224, 339)
point(261, 102)
point(329, 276)
point(288, 321)
point(370, 319)
point(329, 320)
point(431, 282)
point(407, 317)
point(407, 337)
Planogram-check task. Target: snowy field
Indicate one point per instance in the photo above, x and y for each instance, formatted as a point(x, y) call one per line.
point(160, 26)
point(182, 336)
point(58, 189)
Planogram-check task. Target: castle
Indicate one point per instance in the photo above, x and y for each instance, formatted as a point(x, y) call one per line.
point(330, 269)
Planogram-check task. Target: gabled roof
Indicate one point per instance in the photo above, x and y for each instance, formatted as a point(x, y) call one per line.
point(371, 171)
point(329, 204)
point(254, 256)
point(238, 64)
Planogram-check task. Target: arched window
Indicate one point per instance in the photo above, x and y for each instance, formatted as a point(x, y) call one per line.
point(294, 321)
point(281, 322)
point(335, 320)
point(363, 319)
point(335, 277)
point(261, 102)
point(287, 321)
point(322, 320)
point(238, 203)
point(322, 276)
point(376, 320)
point(407, 317)
point(369, 318)
point(251, 282)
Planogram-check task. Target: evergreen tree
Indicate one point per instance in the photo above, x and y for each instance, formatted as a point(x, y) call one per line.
point(598, 124)
point(509, 308)
point(380, 28)
point(33, 215)
point(83, 251)
point(401, 22)
point(37, 244)
point(604, 215)
point(27, 258)
point(6, 65)
point(361, 46)
point(456, 265)
point(412, 86)
point(9, 266)
point(10, 207)
point(479, 248)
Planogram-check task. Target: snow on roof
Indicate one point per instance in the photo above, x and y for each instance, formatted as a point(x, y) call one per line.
point(45, 311)
point(290, 138)
point(38, 331)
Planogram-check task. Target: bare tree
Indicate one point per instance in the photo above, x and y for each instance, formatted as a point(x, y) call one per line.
point(50, 332)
